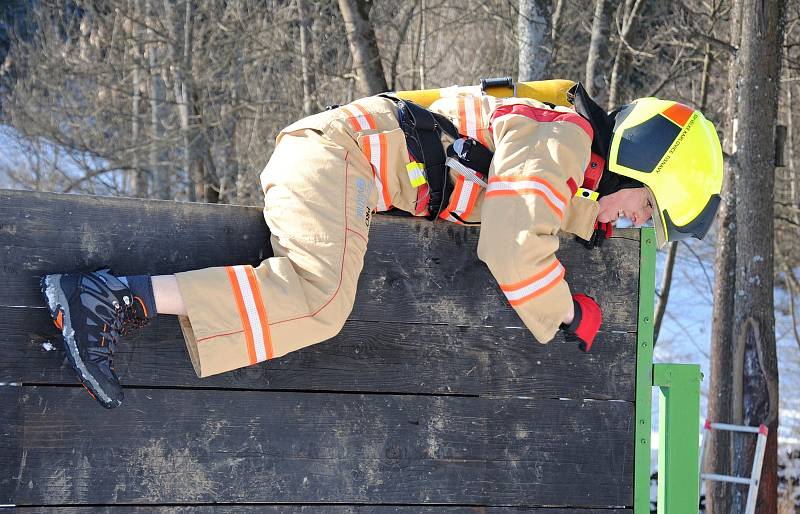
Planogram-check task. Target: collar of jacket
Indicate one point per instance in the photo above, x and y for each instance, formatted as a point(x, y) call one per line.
point(603, 125)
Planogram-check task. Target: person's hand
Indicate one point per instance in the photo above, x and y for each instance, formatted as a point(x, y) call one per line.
point(569, 316)
point(586, 321)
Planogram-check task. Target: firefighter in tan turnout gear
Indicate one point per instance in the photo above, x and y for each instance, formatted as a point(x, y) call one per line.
point(520, 168)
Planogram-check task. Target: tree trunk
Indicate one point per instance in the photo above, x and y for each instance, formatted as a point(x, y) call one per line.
point(794, 198)
point(423, 40)
point(158, 93)
point(598, 51)
point(407, 17)
point(629, 15)
point(558, 8)
point(535, 44)
point(309, 84)
point(759, 53)
point(720, 403)
point(363, 45)
point(229, 179)
point(180, 55)
point(140, 176)
point(718, 494)
point(666, 284)
point(209, 168)
point(194, 133)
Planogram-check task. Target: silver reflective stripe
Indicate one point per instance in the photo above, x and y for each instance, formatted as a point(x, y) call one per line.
point(466, 172)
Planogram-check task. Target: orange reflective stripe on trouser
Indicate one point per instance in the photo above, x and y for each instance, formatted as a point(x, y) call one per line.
point(247, 293)
point(531, 287)
point(470, 118)
point(359, 118)
point(462, 200)
point(377, 152)
point(499, 186)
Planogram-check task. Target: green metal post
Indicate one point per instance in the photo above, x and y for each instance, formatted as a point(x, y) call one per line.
point(679, 419)
point(644, 371)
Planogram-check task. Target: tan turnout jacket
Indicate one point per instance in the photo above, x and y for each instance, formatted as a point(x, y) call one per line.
point(329, 173)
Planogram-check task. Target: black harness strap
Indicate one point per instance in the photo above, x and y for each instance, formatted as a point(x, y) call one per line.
point(423, 130)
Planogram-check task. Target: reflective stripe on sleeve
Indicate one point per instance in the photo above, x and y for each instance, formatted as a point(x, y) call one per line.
point(528, 185)
point(359, 118)
point(247, 294)
point(462, 200)
point(376, 150)
point(531, 287)
point(470, 118)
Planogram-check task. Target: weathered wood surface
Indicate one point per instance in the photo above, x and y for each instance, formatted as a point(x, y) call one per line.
point(11, 436)
point(366, 356)
point(314, 509)
point(432, 394)
point(414, 271)
point(178, 446)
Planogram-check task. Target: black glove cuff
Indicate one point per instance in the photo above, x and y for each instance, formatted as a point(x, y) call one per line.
point(576, 320)
point(596, 240)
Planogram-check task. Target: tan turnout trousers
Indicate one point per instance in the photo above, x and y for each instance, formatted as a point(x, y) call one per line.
point(329, 173)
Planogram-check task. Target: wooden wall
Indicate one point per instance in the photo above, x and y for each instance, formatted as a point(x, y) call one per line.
point(433, 399)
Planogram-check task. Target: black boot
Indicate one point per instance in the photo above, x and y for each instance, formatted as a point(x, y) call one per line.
point(93, 310)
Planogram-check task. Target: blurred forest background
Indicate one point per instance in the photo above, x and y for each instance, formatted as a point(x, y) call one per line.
point(182, 99)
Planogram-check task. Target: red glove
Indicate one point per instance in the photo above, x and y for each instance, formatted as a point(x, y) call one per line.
point(586, 322)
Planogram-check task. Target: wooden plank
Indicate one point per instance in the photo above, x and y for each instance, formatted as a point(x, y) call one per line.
point(178, 446)
point(366, 356)
point(415, 270)
point(11, 429)
point(314, 509)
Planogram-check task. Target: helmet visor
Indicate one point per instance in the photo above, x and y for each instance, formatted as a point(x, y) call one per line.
point(667, 231)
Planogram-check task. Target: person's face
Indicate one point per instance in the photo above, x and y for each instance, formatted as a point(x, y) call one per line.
point(631, 203)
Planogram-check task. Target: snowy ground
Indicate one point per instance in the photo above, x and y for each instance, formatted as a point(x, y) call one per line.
point(685, 338)
point(686, 332)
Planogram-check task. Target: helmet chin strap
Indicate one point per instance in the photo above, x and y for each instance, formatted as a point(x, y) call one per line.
point(602, 123)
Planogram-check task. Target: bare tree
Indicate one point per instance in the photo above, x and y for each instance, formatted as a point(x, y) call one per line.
point(180, 25)
point(754, 318)
point(598, 50)
point(305, 57)
point(535, 43)
point(137, 53)
point(627, 18)
point(720, 402)
point(158, 99)
point(367, 65)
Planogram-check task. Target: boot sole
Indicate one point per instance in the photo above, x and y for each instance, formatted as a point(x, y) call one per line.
point(57, 301)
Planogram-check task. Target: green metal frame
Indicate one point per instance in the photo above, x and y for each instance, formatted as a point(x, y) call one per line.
point(678, 452)
point(679, 409)
point(644, 371)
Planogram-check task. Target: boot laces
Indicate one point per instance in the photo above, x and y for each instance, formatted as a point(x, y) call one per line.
point(127, 318)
